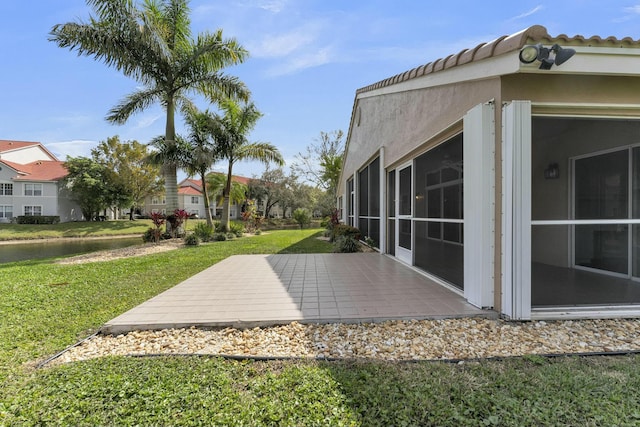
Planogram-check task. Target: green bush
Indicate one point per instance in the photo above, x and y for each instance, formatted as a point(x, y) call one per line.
point(219, 237)
point(149, 235)
point(204, 231)
point(346, 244)
point(236, 228)
point(344, 230)
point(38, 219)
point(191, 240)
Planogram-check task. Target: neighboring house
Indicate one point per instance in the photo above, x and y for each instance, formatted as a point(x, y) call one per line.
point(507, 177)
point(190, 199)
point(30, 178)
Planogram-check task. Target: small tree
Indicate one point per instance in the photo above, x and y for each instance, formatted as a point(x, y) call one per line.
point(302, 216)
point(89, 184)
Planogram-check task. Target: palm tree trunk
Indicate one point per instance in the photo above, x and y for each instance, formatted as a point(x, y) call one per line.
point(205, 194)
point(226, 193)
point(169, 171)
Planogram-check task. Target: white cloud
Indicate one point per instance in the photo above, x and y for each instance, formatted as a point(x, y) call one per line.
point(75, 148)
point(633, 9)
point(281, 45)
point(529, 13)
point(147, 121)
point(301, 62)
point(273, 6)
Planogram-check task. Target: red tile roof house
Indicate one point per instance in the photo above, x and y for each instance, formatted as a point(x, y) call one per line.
point(30, 178)
point(190, 198)
point(509, 173)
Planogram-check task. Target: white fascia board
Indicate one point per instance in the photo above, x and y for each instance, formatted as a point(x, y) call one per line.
point(487, 68)
point(587, 60)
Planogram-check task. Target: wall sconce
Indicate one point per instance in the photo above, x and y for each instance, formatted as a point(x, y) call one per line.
point(552, 171)
point(546, 55)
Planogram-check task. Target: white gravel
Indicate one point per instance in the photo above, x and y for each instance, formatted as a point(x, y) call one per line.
point(466, 338)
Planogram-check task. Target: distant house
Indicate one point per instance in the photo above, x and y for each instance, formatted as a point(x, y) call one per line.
point(509, 173)
point(191, 199)
point(30, 177)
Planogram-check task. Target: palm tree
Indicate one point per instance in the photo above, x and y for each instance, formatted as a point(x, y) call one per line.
point(217, 181)
point(202, 153)
point(230, 133)
point(153, 44)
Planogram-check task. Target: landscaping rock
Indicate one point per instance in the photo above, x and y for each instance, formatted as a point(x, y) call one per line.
point(392, 340)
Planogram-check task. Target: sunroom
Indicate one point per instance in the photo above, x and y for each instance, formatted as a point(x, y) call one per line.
point(514, 184)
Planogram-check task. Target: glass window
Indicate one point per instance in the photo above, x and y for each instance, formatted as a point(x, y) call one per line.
point(391, 194)
point(405, 192)
point(6, 189)
point(33, 210)
point(369, 201)
point(33, 189)
point(194, 200)
point(6, 212)
point(601, 186)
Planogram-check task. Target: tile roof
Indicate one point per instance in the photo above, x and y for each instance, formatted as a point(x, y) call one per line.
point(6, 145)
point(189, 191)
point(41, 170)
point(499, 46)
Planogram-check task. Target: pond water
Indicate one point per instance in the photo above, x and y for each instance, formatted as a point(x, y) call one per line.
point(54, 248)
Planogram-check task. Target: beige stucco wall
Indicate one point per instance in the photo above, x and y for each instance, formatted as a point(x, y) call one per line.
point(403, 122)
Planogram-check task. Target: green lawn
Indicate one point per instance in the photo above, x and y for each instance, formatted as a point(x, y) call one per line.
point(74, 229)
point(45, 307)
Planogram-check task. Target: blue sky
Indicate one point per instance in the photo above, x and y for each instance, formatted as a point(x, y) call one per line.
point(308, 57)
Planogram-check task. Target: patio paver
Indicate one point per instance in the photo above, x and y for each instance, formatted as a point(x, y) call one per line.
point(260, 290)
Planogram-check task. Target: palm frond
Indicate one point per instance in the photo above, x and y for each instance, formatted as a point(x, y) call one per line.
point(261, 151)
point(133, 103)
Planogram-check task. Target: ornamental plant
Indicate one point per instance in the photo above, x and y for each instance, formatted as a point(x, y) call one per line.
point(158, 220)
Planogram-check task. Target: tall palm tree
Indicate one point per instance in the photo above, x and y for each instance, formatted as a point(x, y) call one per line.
point(153, 44)
point(202, 153)
point(230, 133)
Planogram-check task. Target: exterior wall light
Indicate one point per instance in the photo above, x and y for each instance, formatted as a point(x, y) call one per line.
point(546, 55)
point(552, 171)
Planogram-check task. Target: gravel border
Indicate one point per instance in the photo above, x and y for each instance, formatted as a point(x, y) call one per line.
point(449, 339)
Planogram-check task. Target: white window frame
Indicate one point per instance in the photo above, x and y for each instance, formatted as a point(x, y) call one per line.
point(3, 211)
point(32, 189)
point(32, 208)
point(3, 188)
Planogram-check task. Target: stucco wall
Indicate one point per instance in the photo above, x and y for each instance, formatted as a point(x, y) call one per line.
point(403, 122)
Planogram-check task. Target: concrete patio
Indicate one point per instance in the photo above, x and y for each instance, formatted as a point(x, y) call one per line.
point(260, 290)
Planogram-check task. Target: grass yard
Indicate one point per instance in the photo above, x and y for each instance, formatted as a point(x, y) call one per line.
point(46, 306)
point(75, 229)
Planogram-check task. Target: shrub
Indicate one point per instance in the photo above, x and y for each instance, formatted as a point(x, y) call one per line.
point(302, 217)
point(149, 235)
point(204, 231)
point(219, 237)
point(231, 235)
point(344, 230)
point(258, 232)
point(346, 244)
point(38, 219)
point(236, 228)
point(191, 240)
